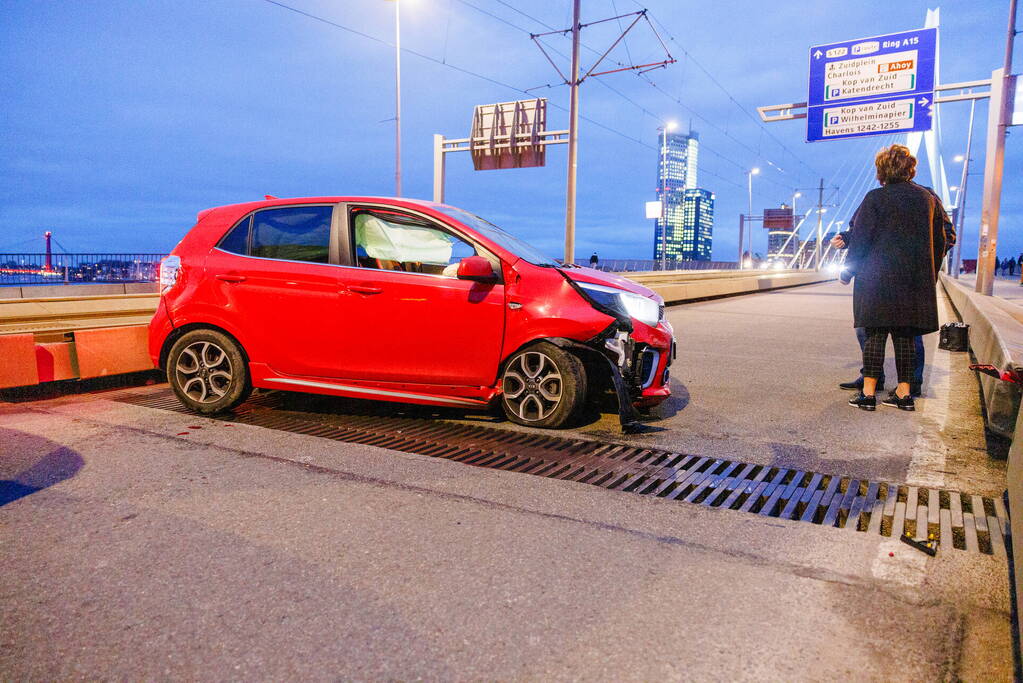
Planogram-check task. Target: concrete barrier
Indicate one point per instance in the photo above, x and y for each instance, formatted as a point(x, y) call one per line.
point(41, 291)
point(996, 337)
point(681, 286)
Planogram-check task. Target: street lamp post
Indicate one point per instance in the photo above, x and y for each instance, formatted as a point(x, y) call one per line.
point(670, 125)
point(749, 215)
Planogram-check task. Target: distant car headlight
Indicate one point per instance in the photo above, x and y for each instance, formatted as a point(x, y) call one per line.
point(631, 305)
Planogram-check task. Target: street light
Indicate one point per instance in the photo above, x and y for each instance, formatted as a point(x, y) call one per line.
point(668, 126)
point(749, 233)
point(958, 158)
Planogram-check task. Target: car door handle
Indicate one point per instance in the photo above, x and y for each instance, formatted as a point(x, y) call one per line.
point(229, 277)
point(364, 289)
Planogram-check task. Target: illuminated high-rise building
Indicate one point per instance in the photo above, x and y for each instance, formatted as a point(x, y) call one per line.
point(688, 210)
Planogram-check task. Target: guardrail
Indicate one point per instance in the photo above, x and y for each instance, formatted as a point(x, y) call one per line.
point(680, 286)
point(996, 337)
point(38, 268)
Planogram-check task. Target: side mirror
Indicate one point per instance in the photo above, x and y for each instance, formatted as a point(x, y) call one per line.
point(476, 268)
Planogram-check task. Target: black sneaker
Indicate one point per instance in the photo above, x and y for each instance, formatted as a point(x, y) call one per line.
point(863, 402)
point(901, 403)
point(855, 384)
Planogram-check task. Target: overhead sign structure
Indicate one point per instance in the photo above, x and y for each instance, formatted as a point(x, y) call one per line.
point(509, 134)
point(872, 86)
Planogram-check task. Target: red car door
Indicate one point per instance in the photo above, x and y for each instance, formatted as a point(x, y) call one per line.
point(281, 293)
point(411, 320)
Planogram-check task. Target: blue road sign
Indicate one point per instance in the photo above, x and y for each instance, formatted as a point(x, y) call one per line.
point(872, 86)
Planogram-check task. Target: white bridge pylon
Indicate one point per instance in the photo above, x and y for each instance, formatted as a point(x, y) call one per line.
point(932, 137)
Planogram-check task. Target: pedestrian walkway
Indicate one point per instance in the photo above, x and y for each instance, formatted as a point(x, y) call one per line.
point(1005, 286)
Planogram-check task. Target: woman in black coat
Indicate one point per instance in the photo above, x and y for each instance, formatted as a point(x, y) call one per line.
point(896, 245)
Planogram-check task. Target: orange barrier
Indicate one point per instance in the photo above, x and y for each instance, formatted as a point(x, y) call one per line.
point(80, 355)
point(18, 360)
point(112, 351)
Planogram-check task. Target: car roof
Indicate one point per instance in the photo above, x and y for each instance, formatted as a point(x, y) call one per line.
point(245, 207)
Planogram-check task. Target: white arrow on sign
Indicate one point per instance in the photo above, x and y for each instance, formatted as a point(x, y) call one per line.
point(924, 101)
point(817, 54)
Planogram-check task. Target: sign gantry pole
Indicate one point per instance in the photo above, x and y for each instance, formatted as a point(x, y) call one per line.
point(573, 140)
point(998, 122)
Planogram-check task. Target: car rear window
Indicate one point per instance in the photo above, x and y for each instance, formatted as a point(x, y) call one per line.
point(294, 233)
point(236, 240)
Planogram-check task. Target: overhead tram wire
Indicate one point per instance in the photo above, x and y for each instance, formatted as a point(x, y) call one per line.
point(416, 53)
point(758, 152)
point(731, 97)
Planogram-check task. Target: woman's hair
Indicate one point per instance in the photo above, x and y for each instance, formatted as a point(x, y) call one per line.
point(895, 164)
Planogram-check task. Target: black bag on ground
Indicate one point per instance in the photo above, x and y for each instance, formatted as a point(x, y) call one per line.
point(954, 337)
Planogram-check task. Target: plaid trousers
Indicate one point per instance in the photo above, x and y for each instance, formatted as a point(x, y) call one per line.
point(905, 352)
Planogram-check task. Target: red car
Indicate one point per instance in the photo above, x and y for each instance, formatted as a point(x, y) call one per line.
point(398, 300)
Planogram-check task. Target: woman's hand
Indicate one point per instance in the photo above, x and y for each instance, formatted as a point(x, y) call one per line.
point(837, 242)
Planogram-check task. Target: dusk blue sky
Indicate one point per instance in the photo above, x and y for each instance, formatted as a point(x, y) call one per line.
point(122, 120)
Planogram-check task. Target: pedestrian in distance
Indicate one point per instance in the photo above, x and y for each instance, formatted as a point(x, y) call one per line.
point(899, 236)
point(594, 260)
point(1011, 262)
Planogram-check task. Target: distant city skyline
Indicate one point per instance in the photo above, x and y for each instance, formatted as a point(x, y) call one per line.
point(685, 230)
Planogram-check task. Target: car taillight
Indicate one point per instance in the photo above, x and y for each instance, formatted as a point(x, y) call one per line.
point(169, 269)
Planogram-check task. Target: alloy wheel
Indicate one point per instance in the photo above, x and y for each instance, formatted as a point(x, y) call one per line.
point(203, 372)
point(532, 386)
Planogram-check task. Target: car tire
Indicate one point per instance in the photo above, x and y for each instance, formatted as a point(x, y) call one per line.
point(208, 372)
point(543, 385)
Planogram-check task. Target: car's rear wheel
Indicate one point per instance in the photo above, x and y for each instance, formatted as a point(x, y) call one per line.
point(543, 386)
point(207, 371)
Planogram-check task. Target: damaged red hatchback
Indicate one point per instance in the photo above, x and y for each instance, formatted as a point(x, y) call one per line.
point(398, 300)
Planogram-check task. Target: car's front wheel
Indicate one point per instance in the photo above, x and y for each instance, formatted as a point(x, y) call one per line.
point(207, 371)
point(543, 386)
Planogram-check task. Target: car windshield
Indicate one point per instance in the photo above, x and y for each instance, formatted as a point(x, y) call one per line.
point(491, 231)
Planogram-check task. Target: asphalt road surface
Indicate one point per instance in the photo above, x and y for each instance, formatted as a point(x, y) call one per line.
point(140, 543)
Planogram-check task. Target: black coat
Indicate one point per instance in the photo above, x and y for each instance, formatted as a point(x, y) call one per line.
point(898, 238)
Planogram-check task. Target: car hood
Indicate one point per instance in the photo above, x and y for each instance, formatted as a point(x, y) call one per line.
point(598, 277)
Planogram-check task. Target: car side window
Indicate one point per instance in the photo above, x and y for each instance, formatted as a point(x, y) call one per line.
point(293, 233)
point(236, 240)
point(390, 241)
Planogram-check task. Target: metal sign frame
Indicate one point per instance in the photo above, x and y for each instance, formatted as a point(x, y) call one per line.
point(886, 85)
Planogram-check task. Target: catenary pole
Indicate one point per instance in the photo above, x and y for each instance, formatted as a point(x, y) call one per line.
point(397, 98)
point(742, 229)
point(820, 225)
point(573, 139)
